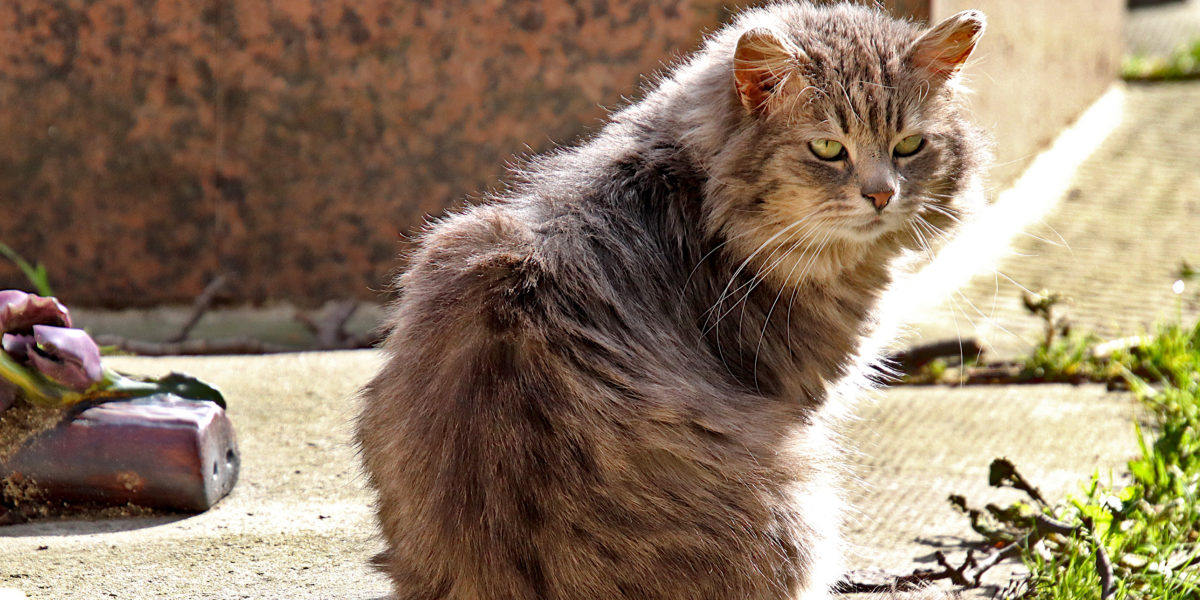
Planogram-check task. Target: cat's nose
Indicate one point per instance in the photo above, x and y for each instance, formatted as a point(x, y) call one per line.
point(878, 199)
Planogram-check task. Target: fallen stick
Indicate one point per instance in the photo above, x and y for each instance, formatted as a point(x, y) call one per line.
point(908, 361)
point(193, 347)
point(200, 306)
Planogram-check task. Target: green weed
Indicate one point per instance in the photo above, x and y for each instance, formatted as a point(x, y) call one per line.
point(1183, 63)
point(1141, 534)
point(36, 274)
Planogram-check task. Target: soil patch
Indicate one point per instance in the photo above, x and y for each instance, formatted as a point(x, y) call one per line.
point(23, 421)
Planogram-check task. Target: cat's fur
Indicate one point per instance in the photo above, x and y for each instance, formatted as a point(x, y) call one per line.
point(614, 380)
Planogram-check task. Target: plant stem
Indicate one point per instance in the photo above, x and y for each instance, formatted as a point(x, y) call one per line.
point(35, 388)
point(115, 385)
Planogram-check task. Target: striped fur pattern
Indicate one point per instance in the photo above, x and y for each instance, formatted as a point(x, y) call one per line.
point(617, 378)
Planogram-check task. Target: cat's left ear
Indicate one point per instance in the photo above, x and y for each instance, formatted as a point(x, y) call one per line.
point(942, 50)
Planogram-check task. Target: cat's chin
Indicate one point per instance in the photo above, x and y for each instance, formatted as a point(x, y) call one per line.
point(869, 231)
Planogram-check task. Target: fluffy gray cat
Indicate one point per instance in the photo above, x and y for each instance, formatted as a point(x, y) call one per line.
point(615, 380)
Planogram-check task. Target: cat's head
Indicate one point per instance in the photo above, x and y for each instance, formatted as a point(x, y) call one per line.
point(850, 131)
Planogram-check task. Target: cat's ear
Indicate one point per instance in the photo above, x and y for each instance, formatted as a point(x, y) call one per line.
point(762, 65)
point(942, 50)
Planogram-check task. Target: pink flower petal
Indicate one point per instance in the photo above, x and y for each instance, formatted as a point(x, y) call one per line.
point(17, 345)
point(68, 356)
point(19, 311)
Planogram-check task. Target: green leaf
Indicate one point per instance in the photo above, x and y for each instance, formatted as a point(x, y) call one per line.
point(119, 386)
point(41, 280)
point(36, 275)
point(186, 386)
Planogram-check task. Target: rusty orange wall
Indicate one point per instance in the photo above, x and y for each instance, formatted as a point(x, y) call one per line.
point(148, 145)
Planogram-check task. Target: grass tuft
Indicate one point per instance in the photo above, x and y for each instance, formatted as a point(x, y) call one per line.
point(36, 274)
point(1183, 63)
point(1143, 531)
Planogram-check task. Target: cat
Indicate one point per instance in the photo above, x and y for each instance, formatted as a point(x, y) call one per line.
point(617, 379)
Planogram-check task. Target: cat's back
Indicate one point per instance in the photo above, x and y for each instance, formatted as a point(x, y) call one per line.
point(540, 293)
point(533, 433)
point(600, 386)
point(432, 419)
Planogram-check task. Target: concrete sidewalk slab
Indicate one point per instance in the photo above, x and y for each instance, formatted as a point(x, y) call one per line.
point(1161, 29)
point(918, 444)
point(1113, 245)
point(298, 525)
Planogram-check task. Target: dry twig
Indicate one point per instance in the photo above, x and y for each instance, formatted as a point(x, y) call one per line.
point(200, 306)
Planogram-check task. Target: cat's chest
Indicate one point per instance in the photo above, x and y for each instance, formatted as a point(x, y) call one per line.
point(790, 343)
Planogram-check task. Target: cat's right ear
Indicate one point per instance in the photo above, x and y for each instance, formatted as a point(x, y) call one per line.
point(763, 64)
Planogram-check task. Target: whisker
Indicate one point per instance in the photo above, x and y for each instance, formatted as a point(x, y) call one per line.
point(923, 243)
point(796, 286)
point(711, 323)
point(934, 230)
point(812, 239)
point(767, 319)
point(751, 284)
point(962, 360)
point(990, 320)
point(944, 211)
point(813, 256)
point(762, 274)
point(1043, 240)
point(749, 258)
point(714, 250)
point(1014, 282)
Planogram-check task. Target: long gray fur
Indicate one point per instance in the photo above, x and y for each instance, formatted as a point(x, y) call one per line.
point(613, 380)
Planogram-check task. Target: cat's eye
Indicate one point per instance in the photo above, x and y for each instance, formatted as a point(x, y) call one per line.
point(909, 146)
point(827, 149)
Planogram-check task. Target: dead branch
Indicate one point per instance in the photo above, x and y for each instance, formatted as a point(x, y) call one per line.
point(200, 306)
point(1002, 472)
point(970, 573)
point(192, 347)
point(328, 326)
point(916, 357)
point(1103, 564)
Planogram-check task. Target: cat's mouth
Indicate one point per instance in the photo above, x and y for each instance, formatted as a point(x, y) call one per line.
point(869, 228)
point(873, 224)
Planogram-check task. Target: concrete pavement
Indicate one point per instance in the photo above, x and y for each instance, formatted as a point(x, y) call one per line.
point(1115, 242)
point(298, 525)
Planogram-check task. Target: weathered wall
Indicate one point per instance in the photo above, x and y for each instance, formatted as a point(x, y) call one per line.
point(1040, 64)
point(147, 146)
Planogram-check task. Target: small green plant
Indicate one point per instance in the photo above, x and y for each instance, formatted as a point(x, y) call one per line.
point(1136, 540)
point(1063, 355)
point(1186, 271)
point(1067, 359)
point(1183, 63)
point(36, 274)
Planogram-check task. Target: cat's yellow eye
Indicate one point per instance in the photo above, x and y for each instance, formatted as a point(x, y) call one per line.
point(909, 146)
point(827, 149)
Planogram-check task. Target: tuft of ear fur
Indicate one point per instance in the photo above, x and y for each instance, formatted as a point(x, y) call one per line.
point(763, 64)
point(942, 50)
